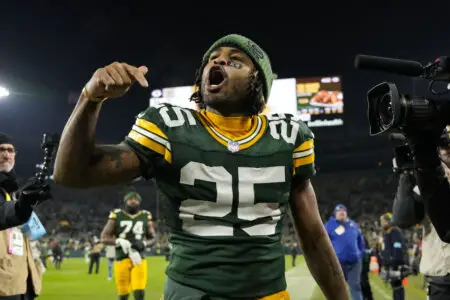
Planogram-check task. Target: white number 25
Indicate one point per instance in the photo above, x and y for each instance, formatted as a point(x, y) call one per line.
point(247, 209)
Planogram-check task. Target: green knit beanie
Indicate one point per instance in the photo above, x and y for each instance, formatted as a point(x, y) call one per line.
point(259, 57)
point(132, 195)
point(387, 217)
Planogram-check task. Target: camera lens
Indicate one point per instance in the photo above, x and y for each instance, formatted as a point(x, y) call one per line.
point(385, 113)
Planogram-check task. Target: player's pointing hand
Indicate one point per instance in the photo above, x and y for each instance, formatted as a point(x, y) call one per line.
point(114, 80)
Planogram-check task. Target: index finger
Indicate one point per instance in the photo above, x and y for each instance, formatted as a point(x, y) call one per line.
point(136, 74)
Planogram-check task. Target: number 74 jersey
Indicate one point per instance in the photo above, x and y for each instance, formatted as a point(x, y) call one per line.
point(130, 227)
point(225, 196)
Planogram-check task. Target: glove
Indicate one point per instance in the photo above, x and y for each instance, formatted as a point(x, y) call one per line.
point(124, 244)
point(135, 257)
point(139, 245)
point(32, 194)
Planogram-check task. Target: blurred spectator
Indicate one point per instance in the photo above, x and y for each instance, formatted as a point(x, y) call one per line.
point(348, 243)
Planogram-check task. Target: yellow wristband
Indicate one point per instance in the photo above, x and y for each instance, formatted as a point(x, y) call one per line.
point(96, 100)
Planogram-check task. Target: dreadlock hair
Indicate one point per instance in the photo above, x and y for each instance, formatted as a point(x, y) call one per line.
point(255, 92)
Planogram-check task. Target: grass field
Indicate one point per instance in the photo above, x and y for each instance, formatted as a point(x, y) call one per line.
point(73, 283)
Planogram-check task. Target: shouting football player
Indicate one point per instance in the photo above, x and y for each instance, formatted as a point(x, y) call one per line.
point(229, 174)
point(129, 229)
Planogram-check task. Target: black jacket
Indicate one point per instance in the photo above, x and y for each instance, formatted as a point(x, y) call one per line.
point(394, 252)
point(435, 194)
point(408, 209)
point(10, 215)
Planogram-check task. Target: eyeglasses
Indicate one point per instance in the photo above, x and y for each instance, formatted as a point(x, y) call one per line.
point(10, 150)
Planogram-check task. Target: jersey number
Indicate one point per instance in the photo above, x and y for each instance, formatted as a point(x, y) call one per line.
point(179, 119)
point(279, 128)
point(247, 208)
point(138, 229)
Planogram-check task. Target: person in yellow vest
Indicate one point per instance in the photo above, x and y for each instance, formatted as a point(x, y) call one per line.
point(20, 277)
point(13, 213)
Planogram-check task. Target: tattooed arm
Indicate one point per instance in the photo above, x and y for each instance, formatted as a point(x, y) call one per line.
point(82, 164)
point(315, 243)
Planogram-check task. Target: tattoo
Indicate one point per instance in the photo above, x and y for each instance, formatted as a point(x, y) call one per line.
point(116, 155)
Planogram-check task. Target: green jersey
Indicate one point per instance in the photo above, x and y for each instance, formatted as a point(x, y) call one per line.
point(226, 196)
point(130, 227)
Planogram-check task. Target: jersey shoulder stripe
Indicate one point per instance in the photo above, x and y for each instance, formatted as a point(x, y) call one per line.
point(148, 132)
point(149, 214)
point(303, 155)
point(113, 214)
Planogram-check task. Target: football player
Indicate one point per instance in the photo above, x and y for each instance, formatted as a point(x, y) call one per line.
point(228, 172)
point(130, 230)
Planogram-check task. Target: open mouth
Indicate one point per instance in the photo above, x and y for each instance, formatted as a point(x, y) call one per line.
point(217, 77)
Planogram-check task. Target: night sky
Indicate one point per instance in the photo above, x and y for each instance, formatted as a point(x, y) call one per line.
point(49, 49)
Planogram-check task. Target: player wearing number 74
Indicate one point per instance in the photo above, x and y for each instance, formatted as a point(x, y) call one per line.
point(228, 172)
point(130, 230)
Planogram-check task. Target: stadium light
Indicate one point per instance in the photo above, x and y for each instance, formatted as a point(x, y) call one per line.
point(3, 92)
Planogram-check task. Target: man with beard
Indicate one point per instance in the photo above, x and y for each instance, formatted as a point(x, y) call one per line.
point(130, 230)
point(20, 277)
point(228, 172)
point(12, 213)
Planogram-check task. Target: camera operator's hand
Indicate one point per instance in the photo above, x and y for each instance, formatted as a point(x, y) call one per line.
point(34, 192)
point(113, 81)
point(31, 194)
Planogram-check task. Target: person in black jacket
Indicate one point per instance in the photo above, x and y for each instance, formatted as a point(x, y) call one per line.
point(430, 175)
point(393, 256)
point(365, 284)
point(15, 213)
point(409, 210)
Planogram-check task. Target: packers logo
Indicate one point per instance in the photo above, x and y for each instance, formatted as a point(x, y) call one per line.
point(255, 50)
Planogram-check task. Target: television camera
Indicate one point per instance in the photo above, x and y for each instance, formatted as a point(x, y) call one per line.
point(390, 111)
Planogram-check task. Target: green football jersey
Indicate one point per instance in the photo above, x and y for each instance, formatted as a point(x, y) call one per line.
point(130, 227)
point(226, 197)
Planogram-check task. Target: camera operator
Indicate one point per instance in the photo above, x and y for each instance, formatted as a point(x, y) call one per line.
point(20, 277)
point(409, 210)
point(393, 256)
point(12, 213)
point(431, 178)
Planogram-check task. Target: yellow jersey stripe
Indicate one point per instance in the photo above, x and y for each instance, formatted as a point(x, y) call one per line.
point(305, 145)
point(303, 153)
point(152, 136)
point(303, 161)
point(149, 126)
point(151, 144)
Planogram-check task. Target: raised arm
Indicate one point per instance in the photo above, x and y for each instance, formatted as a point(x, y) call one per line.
point(80, 163)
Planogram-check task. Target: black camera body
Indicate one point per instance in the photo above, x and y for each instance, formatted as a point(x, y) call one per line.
point(49, 145)
point(390, 111)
